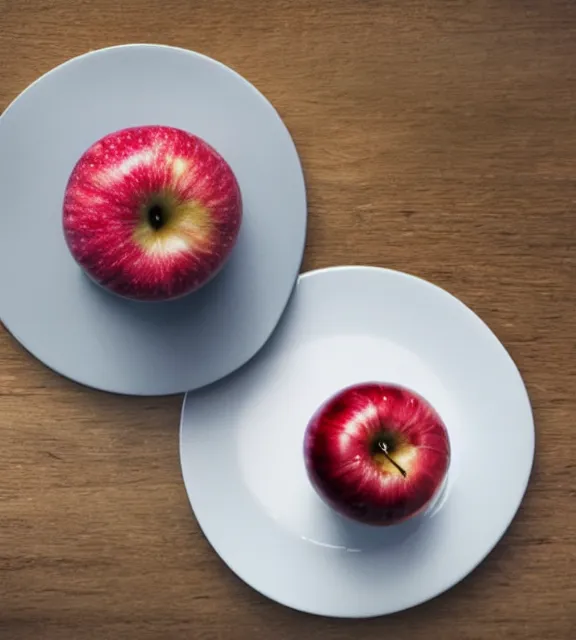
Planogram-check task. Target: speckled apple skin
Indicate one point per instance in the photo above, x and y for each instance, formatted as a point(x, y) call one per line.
point(104, 212)
point(365, 486)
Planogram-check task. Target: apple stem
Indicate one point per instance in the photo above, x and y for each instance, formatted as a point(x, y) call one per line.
point(384, 448)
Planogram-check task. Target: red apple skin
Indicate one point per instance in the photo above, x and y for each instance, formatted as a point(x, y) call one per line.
point(108, 203)
point(345, 463)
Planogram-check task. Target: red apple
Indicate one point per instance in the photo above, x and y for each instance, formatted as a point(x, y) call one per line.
point(151, 213)
point(377, 453)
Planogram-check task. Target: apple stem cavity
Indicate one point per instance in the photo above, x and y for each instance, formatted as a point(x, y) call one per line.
point(156, 217)
point(384, 448)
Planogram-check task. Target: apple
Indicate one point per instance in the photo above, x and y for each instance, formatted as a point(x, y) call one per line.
point(152, 212)
point(377, 453)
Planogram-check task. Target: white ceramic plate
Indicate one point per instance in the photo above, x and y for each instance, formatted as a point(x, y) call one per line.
point(104, 341)
point(241, 446)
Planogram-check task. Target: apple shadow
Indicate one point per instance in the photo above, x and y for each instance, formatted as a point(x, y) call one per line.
point(411, 531)
point(160, 313)
point(166, 326)
point(356, 536)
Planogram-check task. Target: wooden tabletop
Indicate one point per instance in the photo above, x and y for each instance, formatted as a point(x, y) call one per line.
point(437, 137)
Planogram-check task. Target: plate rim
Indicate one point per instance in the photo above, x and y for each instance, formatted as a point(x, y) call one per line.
point(137, 45)
point(461, 575)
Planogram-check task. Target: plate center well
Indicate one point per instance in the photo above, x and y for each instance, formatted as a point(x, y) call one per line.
point(273, 419)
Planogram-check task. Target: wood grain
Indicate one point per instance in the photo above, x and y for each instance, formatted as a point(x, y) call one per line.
point(439, 138)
